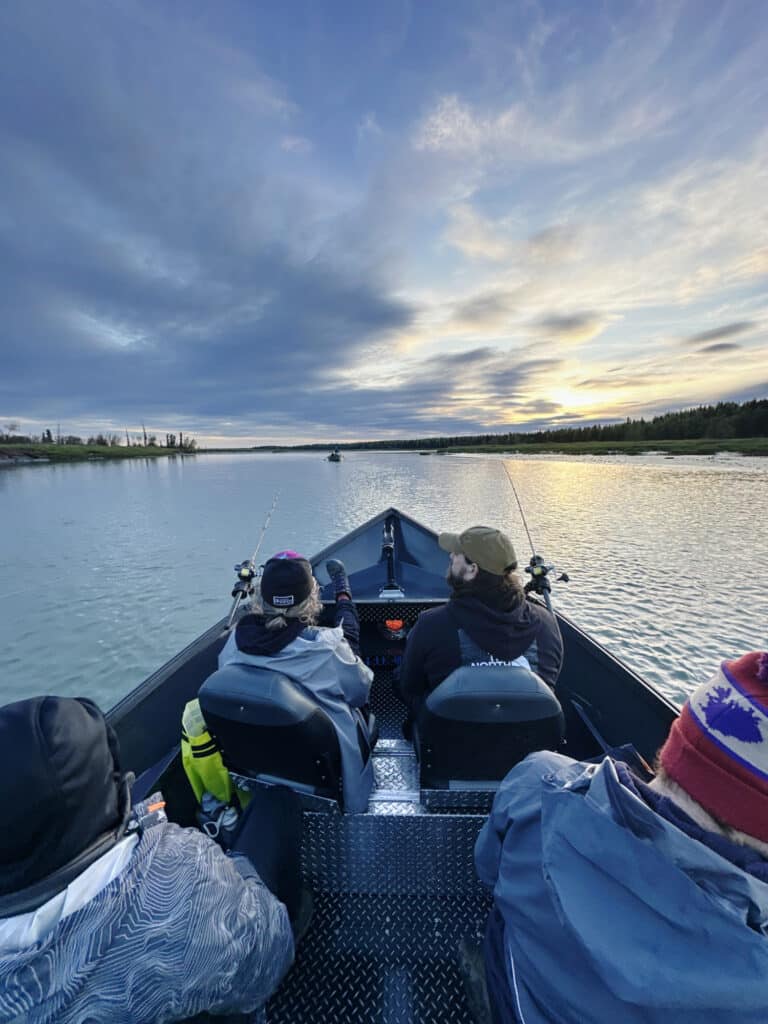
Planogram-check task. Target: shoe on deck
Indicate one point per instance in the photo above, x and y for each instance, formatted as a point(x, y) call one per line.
point(303, 915)
point(472, 970)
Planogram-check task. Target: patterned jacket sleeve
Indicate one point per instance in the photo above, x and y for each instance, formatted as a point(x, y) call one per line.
point(240, 943)
point(179, 932)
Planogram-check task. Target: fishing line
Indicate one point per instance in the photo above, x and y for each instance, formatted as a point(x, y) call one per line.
point(246, 571)
point(537, 568)
point(264, 528)
point(519, 505)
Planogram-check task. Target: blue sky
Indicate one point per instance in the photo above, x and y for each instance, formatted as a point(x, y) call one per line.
point(327, 221)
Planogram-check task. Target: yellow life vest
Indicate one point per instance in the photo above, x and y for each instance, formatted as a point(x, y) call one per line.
point(201, 757)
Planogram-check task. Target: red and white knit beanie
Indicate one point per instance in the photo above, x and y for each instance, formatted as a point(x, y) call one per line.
point(717, 750)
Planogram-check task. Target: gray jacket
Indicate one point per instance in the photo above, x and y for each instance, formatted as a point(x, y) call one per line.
point(321, 661)
point(182, 929)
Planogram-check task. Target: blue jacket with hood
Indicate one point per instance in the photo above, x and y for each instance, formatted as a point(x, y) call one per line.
point(613, 912)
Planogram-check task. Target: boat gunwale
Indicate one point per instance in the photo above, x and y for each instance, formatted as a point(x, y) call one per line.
point(128, 709)
point(359, 530)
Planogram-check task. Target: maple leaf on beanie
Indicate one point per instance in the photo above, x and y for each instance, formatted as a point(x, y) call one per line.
point(717, 750)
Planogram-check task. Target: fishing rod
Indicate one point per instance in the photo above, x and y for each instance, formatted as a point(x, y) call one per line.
point(539, 570)
point(246, 571)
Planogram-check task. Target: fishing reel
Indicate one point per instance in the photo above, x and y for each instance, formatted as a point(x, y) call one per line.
point(539, 572)
point(246, 573)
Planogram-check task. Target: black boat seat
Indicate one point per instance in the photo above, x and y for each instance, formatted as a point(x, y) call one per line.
point(480, 721)
point(268, 728)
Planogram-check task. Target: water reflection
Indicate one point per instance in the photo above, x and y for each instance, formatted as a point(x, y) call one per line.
point(109, 568)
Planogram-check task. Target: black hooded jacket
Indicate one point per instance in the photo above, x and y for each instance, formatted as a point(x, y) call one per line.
point(434, 647)
point(253, 637)
point(64, 793)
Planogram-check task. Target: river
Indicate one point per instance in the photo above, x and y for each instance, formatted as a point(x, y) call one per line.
point(108, 568)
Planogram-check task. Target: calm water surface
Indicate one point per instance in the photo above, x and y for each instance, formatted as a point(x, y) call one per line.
point(107, 569)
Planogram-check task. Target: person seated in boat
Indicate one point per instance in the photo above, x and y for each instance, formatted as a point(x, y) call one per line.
point(108, 914)
point(487, 619)
point(617, 900)
point(280, 633)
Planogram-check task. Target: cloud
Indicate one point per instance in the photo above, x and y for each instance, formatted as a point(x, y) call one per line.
point(461, 360)
point(754, 265)
point(633, 381)
point(554, 245)
point(749, 393)
point(542, 407)
point(581, 87)
point(488, 311)
point(475, 236)
point(180, 229)
point(536, 133)
point(155, 273)
point(296, 144)
point(473, 391)
point(451, 126)
point(369, 128)
point(572, 327)
point(725, 331)
point(723, 346)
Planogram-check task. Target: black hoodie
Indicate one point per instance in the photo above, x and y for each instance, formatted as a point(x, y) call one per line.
point(433, 649)
point(253, 637)
point(64, 795)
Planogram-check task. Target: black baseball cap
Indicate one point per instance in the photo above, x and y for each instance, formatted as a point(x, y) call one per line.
point(287, 580)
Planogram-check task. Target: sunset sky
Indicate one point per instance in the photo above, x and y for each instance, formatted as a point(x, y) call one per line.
point(320, 220)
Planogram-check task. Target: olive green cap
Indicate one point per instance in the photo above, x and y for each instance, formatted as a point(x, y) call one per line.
point(490, 549)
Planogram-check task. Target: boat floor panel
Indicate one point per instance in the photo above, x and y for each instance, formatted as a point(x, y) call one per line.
point(386, 705)
point(377, 959)
point(393, 770)
point(406, 853)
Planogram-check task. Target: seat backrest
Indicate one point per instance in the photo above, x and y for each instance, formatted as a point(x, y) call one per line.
point(481, 720)
point(267, 727)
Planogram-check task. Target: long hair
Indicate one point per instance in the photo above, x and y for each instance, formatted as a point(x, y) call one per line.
point(307, 612)
point(504, 593)
point(666, 786)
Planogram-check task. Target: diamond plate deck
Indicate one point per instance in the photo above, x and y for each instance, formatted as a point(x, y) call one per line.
point(449, 801)
point(403, 854)
point(395, 891)
point(381, 960)
point(386, 705)
point(395, 771)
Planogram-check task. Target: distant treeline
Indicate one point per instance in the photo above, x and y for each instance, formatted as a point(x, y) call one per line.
point(101, 440)
point(724, 420)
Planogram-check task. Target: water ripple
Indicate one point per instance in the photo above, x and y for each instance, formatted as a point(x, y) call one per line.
point(107, 570)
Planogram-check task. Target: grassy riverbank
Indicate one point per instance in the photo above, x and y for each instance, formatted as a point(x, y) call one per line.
point(704, 446)
point(30, 453)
